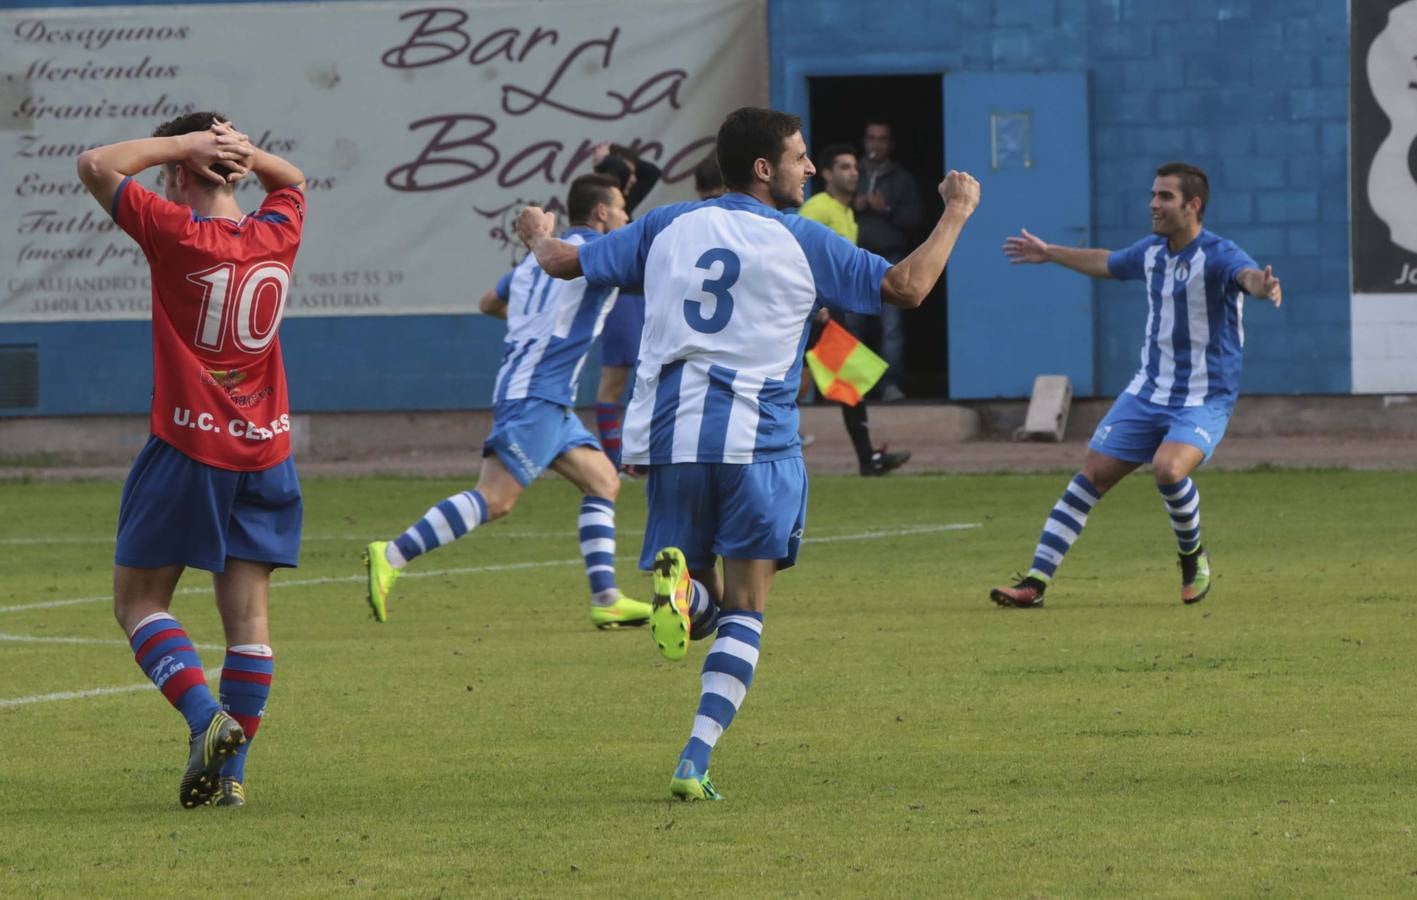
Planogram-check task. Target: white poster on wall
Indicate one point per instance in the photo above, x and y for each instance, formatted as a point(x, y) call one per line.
point(421, 130)
point(1383, 194)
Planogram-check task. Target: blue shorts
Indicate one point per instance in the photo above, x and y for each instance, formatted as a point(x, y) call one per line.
point(1133, 428)
point(752, 511)
point(527, 436)
point(620, 339)
point(176, 511)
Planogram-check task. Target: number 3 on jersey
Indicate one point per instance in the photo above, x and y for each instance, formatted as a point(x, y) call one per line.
point(212, 322)
point(716, 288)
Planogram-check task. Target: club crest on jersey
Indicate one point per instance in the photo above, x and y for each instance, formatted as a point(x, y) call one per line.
point(226, 378)
point(1183, 272)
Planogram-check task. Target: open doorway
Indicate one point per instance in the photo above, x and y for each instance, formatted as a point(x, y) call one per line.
point(913, 105)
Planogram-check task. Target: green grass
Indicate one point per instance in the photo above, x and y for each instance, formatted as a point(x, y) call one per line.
point(903, 736)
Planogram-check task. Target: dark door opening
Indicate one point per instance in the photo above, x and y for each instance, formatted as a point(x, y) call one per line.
point(913, 105)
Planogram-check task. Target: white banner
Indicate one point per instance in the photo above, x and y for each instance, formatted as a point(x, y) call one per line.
point(420, 128)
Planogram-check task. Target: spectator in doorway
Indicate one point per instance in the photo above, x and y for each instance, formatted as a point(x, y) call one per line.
point(833, 208)
point(888, 210)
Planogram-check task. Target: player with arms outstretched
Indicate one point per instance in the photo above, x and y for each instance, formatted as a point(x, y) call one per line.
point(551, 325)
point(1177, 406)
point(215, 487)
point(730, 287)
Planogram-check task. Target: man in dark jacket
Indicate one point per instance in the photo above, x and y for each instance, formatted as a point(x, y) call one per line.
point(888, 211)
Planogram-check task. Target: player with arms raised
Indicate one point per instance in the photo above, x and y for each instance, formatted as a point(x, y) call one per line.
point(730, 286)
point(1175, 410)
point(215, 487)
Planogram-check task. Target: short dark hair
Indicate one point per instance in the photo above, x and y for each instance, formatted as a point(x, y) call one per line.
point(197, 121)
point(587, 191)
point(1193, 182)
point(707, 177)
point(748, 135)
point(826, 157)
point(879, 121)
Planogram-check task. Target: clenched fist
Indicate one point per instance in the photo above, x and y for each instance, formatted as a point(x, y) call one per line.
point(960, 192)
point(535, 222)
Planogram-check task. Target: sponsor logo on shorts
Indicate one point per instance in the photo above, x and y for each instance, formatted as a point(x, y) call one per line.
point(1205, 434)
point(1101, 434)
point(529, 468)
point(797, 535)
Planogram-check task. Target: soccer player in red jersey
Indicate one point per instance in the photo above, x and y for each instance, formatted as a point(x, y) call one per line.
point(215, 487)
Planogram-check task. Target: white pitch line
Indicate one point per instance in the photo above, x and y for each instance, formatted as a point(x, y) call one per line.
point(351, 538)
point(91, 692)
point(55, 639)
point(498, 567)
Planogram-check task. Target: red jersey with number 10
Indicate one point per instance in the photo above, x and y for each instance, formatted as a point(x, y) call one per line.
point(219, 292)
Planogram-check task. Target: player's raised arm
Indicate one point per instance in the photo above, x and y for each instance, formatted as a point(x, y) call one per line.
point(1264, 285)
point(102, 169)
point(1028, 248)
point(558, 258)
point(907, 282)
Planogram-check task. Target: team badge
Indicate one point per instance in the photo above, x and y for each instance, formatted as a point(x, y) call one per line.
point(1183, 272)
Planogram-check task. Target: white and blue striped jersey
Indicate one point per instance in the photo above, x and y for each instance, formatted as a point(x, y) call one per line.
point(730, 286)
point(551, 325)
point(1195, 330)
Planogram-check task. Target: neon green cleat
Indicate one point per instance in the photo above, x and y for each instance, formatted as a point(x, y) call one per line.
point(688, 784)
point(669, 618)
point(623, 613)
point(209, 750)
point(230, 793)
point(1195, 575)
point(381, 579)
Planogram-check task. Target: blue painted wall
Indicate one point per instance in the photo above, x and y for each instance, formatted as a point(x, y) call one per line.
point(1253, 91)
point(1196, 80)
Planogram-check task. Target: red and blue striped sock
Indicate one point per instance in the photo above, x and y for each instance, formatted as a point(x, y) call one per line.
point(165, 654)
point(245, 685)
point(607, 422)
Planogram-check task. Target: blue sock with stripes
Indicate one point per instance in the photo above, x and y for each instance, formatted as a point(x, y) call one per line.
point(1063, 526)
point(728, 672)
point(245, 686)
point(1183, 502)
point(165, 654)
point(443, 524)
point(596, 528)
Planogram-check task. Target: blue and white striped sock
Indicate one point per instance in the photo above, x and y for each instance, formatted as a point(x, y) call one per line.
point(703, 612)
point(443, 524)
point(728, 672)
point(1063, 526)
point(596, 527)
point(1183, 502)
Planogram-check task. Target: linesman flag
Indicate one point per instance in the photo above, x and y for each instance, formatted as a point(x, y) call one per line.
point(843, 367)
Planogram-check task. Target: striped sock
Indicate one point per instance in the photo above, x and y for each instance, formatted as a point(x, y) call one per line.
point(607, 422)
point(443, 524)
point(728, 671)
point(1063, 526)
point(165, 654)
point(703, 613)
point(597, 533)
point(1183, 502)
point(245, 685)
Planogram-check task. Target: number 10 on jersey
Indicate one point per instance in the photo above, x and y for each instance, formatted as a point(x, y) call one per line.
point(217, 315)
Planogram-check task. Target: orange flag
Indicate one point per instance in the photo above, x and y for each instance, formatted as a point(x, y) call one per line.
point(843, 368)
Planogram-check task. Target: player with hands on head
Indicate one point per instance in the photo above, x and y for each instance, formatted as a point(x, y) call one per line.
point(215, 487)
point(1177, 406)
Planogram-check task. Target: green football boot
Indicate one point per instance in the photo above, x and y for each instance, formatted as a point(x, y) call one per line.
point(1195, 575)
point(381, 579)
point(688, 784)
point(210, 748)
point(669, 617)
point(623, 613)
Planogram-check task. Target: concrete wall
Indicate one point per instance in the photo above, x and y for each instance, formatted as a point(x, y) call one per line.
point(1185, 79)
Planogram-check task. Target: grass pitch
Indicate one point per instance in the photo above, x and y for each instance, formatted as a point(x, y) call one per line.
point(903, 737)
